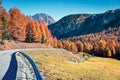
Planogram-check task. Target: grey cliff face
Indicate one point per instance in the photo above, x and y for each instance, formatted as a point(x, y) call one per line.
point(48, 19)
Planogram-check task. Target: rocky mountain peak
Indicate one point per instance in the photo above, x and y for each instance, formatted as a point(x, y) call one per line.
point(39, 16)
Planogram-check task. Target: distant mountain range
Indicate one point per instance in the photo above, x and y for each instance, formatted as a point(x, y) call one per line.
point(82, 24)
point(48, 19)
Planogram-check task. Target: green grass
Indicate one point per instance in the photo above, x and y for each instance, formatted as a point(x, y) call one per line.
point(56, 65)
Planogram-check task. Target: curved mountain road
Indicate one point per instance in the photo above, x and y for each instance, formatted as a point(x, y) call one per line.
point(37, 73)
point(12, 70)
point(11, 65)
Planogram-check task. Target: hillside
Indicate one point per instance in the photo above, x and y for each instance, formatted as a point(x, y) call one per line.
point(14, 25)
point(47, 18)
point(107, 35)
point(80, 24)
point(63, 65)
point(67, 24)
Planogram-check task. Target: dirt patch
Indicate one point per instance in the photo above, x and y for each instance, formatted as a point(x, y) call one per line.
point(21, 45)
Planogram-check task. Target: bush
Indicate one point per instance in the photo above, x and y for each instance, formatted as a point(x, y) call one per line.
point(1, 49)
point(59, 78)
point(2, 43)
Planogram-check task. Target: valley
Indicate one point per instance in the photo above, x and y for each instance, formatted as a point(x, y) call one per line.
point(79, 46)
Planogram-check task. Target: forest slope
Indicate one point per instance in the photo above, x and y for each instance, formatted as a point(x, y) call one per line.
point(82, 24)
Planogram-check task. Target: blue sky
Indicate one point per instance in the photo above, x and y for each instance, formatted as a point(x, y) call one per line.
point(60, 8)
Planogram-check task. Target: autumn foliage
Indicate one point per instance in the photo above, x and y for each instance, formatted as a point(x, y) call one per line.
point(22, 28)
point(33, 33)
point(17, 26)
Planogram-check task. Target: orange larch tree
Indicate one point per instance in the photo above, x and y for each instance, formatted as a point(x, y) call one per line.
point(46, 32)
point(73, 47)
point(54, 41)
point(17, 24)
point(33, 32)
point(37, 32)
point(102, 47)
point(4, 19)
point(79, 46)
point(109, 54)
point(59, 44)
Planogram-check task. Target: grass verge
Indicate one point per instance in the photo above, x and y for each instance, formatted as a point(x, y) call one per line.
point(57, 65)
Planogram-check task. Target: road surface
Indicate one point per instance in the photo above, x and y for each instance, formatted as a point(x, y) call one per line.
point(15, 65)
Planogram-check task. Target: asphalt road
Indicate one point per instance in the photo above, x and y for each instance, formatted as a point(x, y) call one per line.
point(9, 65)
point(12, 70)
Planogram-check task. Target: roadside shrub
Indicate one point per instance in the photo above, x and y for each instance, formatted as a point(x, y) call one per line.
point(2, 43)
point(59, 78)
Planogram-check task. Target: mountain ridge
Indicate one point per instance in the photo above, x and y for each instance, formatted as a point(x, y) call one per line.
point(92, 23)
